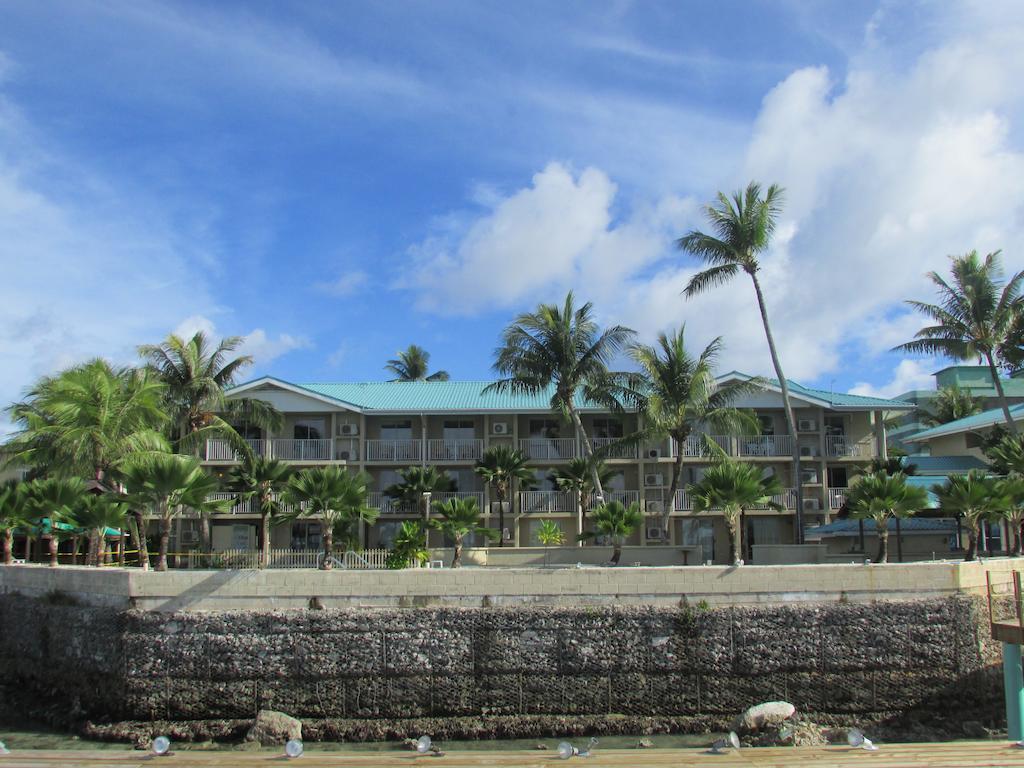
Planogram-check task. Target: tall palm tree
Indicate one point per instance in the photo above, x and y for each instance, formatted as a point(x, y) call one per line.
point(616, 522)
point(951, 404)
point(1007, 455)
point(88, 421)
point(166, 485)
point(263, 480)
point(974, 318)
point(51, 503)
point(734, 487)
point(417, 481)
point(577, 476)
point(96, 514)
point(678, 394)
point(458, 519)
point(743, 226)
point(336, 497)
point(502, 469)
point(974, 496)
point(880, 496)
point(13, 514)
point(1011, 489)
point(562, 348)
point(412, 364)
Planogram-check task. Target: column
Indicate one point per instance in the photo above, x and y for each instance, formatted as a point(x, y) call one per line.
point(880, 447)
point(1013, 687)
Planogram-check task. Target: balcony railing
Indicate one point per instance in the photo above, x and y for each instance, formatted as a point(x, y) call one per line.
point(765, 445)
point(245, 507)
point(623, 497)
point(840, 446)
point(393, 450)
point(837, 497)
point(301, 450)
point(549, 448)
point(454, 450)
point(547, 501)
point(684, 503)
point(287, 449)
point(612, 451)
point(693, 447)
point(448, 495)
point(221, 450)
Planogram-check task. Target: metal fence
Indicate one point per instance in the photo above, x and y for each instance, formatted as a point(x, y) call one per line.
point(243, 559)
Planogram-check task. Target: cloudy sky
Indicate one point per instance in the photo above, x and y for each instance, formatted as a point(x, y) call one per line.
point(334, 181)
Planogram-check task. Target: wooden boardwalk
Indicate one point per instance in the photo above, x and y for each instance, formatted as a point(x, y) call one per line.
point(946, 755)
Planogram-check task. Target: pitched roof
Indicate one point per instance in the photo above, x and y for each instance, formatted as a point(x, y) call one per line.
point(944, 465)
point(828, 399)
point(978, 421)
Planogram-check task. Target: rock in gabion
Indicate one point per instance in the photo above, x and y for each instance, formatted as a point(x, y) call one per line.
point(770, 714)
point(274, 728)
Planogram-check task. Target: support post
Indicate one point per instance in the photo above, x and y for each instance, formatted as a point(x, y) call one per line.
point(1013, 686)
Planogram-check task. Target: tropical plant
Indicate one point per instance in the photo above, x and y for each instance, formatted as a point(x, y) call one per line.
point(549, 534)
point(459, 519)
point(502, 469)
point(562, 349)
point(743, 227)
point(889, 465)
point(677, 394)
point(734, 487)
point(616, 522)
point(51, 504)
point(577, 477)
point(166, 485)
point(262, 480)
point(88, 420)
point(880, 496)
point(410, 546)
point(96, 514)
point(412, 364)
point(13, 514)
point(951, 404)
point(1011, 490)
point(335, 496)
point(975, 498)
point(1007, 455)
point(974, 318)
point(417, 481)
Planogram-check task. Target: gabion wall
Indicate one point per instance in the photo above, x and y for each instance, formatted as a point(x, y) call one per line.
point(835, 659)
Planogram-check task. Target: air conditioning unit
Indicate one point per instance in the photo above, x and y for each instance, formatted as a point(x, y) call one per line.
point(189, 538)
point(506, 534)
point(499, 428)
point(348, 430)
point(344, 455)
point(655, 507)
point(808, 476)
point(654, 479)
point(812, 505)
point(654, 531)
point(654, 453)
point(807, 451)
point(806, 425)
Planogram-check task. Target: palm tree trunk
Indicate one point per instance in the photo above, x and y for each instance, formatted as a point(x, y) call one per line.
point(588, 453)
point(165, 537)
point(53, 550)
point(788, 406)
point(579, 515)
point(1016, 538)
point(501, 515)
point(139, 537)
point(882, 529)
point(457, 557)
point(101, 548)
point(9, 546)
point(616, 551)
point(972, 545)
point(326, 565)
point(673, 486)
point(265, 540)
point(732, 520)
point(1001, 394)
point(205, 537)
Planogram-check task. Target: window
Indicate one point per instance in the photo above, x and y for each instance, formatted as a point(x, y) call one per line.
point(837, 477)
point(767, 424)
point(835, 425)
point(607, 428)
point(248, 431)
point(460, 429)
point(617, 482)
point(544, 428)
point(387, 532)
point(309, 429)
point(305, 535)
point(542, 481)
point(700, 533)
point(396, 430)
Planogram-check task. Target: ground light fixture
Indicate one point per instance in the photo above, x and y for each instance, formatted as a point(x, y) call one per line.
point(425, 745)
point(161, 746)
point(856, 739)
point(719, 747)
point(567, 750)
point(293, 748)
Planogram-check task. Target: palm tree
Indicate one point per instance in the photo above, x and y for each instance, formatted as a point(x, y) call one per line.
point(616, 522)
point(562, 348)
point(678, 394)
point(417, 481)
point(975, 497)
point(974, 318)
point(264, 480)
point(743, 227)
point(879, 496)
point(96, 514)
point(502, 468)
point(1007, 455)
point(549, 534)
point(459, 519)
point(167, 485)
point(1011, 489)
point(51, 504)
point(412, 365)
point(577, 476)
point(733, 488)
point(410, 546)
point(335, 496)
point(13, 514)
point(891, 465)
point(88, 420)
point(951, 404)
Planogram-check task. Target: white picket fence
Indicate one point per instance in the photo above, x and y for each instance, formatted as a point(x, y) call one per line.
point(243, 559)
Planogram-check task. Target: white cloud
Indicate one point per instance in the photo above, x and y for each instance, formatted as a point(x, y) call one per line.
point(909, 374)
point(257, 343)
point(345, 285)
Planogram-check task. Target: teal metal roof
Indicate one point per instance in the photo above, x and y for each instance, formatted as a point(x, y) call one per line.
point(945, 465)
point(839, 400)
point(978, 421)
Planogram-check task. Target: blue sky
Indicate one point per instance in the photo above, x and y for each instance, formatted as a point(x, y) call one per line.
point(334, 181)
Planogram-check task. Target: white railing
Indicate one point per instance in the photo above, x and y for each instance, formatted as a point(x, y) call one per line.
point(549, 447)
point(765, 445)
point(837, 497)
point(694, 446)
point(455, 449)
point(301, 450)
point(221, 450)
point(388, 505)
point(346, 449)
point(246, 559)
point(248, 506)
point(613, 451)
point(841, 446)
point(787, 499)
point(443, 496)
point(547, 501)
point(623, 497)
point(393, 450)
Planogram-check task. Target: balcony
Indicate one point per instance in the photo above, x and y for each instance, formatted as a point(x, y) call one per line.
point(534, 502)
point(448, 495)
point(623, 497)
point(765, 445)
point(287, 450)
point(455, 450)
point(549, 448)
point(246, 507)
point(787, 499)
point(694, 448)
point(611, 451)
point(393, 451)
point(837, 497)
point(842, 447)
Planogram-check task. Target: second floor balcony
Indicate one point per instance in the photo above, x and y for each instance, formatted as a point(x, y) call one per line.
point(286, 449)
point(549, 448)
